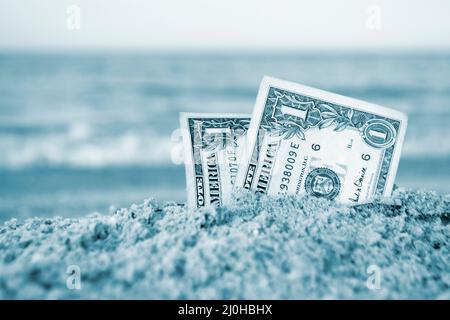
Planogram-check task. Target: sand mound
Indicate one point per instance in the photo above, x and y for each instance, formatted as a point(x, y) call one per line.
point(287, 248)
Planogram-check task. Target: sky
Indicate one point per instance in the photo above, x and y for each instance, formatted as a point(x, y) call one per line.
point(225, 24)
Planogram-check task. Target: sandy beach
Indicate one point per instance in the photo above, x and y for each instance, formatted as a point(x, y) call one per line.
point(291, 119)
point(259, 248)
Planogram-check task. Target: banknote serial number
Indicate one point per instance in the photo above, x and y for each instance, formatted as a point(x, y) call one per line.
point(289, 166)
point(232, 165)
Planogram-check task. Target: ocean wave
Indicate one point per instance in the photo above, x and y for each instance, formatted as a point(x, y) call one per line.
point(81, 146)
point(120, 110)
point(78, 147)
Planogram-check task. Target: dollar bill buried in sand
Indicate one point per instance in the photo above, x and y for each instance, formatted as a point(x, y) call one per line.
point(305, 140)
point(213, 145)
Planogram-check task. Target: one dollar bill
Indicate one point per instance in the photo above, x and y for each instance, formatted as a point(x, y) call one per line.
point(213, 145)
point(305, 140)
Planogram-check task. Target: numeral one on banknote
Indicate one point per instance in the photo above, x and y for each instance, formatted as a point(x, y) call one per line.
point(213, 145)
point(305, 140)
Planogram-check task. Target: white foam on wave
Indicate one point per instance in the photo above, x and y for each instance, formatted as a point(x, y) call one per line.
point(429, 142)
point(79, 147)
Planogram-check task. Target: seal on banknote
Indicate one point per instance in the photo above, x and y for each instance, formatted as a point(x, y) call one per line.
point(323, 183)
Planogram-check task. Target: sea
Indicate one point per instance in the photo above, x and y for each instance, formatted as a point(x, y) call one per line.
point(84, 132)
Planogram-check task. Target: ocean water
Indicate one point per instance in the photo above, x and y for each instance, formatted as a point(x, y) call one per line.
point(83, 132)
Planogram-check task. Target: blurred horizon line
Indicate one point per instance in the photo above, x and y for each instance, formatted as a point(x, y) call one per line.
point(227, 51)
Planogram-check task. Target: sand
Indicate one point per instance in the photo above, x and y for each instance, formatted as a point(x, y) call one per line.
point(269, 248)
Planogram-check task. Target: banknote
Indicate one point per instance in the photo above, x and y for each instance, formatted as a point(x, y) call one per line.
point(305, 140)
point(213, 144)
